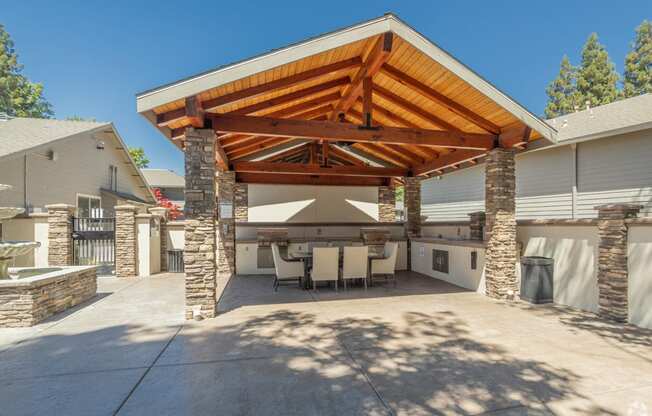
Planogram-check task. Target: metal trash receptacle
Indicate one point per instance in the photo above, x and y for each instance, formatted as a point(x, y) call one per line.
point(537, 279)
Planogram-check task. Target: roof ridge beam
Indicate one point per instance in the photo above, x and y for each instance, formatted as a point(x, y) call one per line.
point(378, 55)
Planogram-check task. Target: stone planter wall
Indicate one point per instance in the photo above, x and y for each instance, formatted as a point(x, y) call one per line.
point(25, 302)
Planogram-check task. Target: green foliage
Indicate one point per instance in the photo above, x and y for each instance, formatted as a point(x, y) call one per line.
point(638, 63)
point(597, 79)
point(562, 91)
point(18, 96)
point(139, 156)
point(400, 193)
point(79, 118)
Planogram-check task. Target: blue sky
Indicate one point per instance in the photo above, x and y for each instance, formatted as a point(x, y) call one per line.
point(94, 56)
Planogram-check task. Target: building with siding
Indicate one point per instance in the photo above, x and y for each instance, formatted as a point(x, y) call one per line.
point(170, 183)
point(591, 164)
point(80, 163)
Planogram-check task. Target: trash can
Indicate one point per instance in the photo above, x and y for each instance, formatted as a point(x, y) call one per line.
point(536, 279)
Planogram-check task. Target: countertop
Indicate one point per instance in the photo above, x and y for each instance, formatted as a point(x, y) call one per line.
point(449, 242)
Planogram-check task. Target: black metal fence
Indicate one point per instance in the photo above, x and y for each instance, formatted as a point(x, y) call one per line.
point(175, 261)
point(94, 243)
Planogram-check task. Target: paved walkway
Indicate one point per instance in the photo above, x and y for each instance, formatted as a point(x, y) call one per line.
point(425, 347)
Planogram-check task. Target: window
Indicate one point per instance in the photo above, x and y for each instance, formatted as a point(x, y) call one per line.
point(440, 261)
point(89, 206)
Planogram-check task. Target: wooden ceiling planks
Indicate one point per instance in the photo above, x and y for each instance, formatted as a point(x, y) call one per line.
point(410, 91)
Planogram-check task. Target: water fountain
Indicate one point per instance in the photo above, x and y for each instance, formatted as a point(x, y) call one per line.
point(10, 249)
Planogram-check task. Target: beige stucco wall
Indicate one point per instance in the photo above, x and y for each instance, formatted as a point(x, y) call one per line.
point(79, 168)
point(575, 251)
point(303, 203)
point(459, 264)
point(640, 275)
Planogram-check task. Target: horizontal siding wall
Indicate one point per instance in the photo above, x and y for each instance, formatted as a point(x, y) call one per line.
point(544, 184)
point(454, 196)
point(615, 170)
point(612, 170)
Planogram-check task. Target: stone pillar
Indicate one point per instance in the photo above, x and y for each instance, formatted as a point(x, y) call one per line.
point(162, 214)
point(386, 204)
point(60, 234)
point(241, 202)
point(199, 210)
point(477, 222)
point(226, 229)
point(126, 247)
point(612, 260)
point(413, 206)
point(500, 258)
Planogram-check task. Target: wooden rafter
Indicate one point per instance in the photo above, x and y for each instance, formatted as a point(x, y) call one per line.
point(332, 131)
point(314, 169)
point(447, 160)
point(271, 178)
point(414, 109)
point(287, 153)
point(376, 152)
point(293, 96)
point(258, 90)
point(439, 98)
point(378, 55)
point(342, 155)
point(263, 143)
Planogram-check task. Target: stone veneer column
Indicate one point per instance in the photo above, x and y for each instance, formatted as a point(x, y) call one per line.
point(241, 202)
point(477, 222)
point(386, 204)
point(500, 208)
point(226, 230)
point(199, 210)
point(126, 248)
point(162, 214)
point(612, 260)
point(60, 234)
point(412, 197)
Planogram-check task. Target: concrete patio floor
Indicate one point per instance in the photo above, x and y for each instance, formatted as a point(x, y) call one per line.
point(425, 347)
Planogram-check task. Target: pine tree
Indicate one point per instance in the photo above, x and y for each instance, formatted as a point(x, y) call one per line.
point(18, 96)
point(562, 91)
point(597, 79)
point(638, 63)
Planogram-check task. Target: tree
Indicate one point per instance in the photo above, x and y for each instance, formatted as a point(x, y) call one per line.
point(638, 63)
point(597, 79)
point(562, 91)
point(174, 210)
point(18, 96)
point(139, 157)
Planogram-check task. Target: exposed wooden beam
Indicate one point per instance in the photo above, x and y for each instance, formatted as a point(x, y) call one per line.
point(414, 109)
point(313, 153)
point(439, 98)
point(515, 135)
point(325, 153)
point(221, 158)
point(367, 101)
point(447, 160)
point(341, 154)
point(194, 112)
point(378, 55)
point(314, 169)
point(262, 154)
point(333, 131)
point(290, 97)
point(267, 178)
point(381, 154)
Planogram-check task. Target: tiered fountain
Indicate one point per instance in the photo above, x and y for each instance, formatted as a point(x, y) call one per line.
point(10, 249)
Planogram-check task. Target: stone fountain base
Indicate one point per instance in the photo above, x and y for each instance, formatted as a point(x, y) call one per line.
point(33, 298)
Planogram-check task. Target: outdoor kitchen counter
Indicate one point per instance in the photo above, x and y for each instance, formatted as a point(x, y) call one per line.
point(303, 240)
